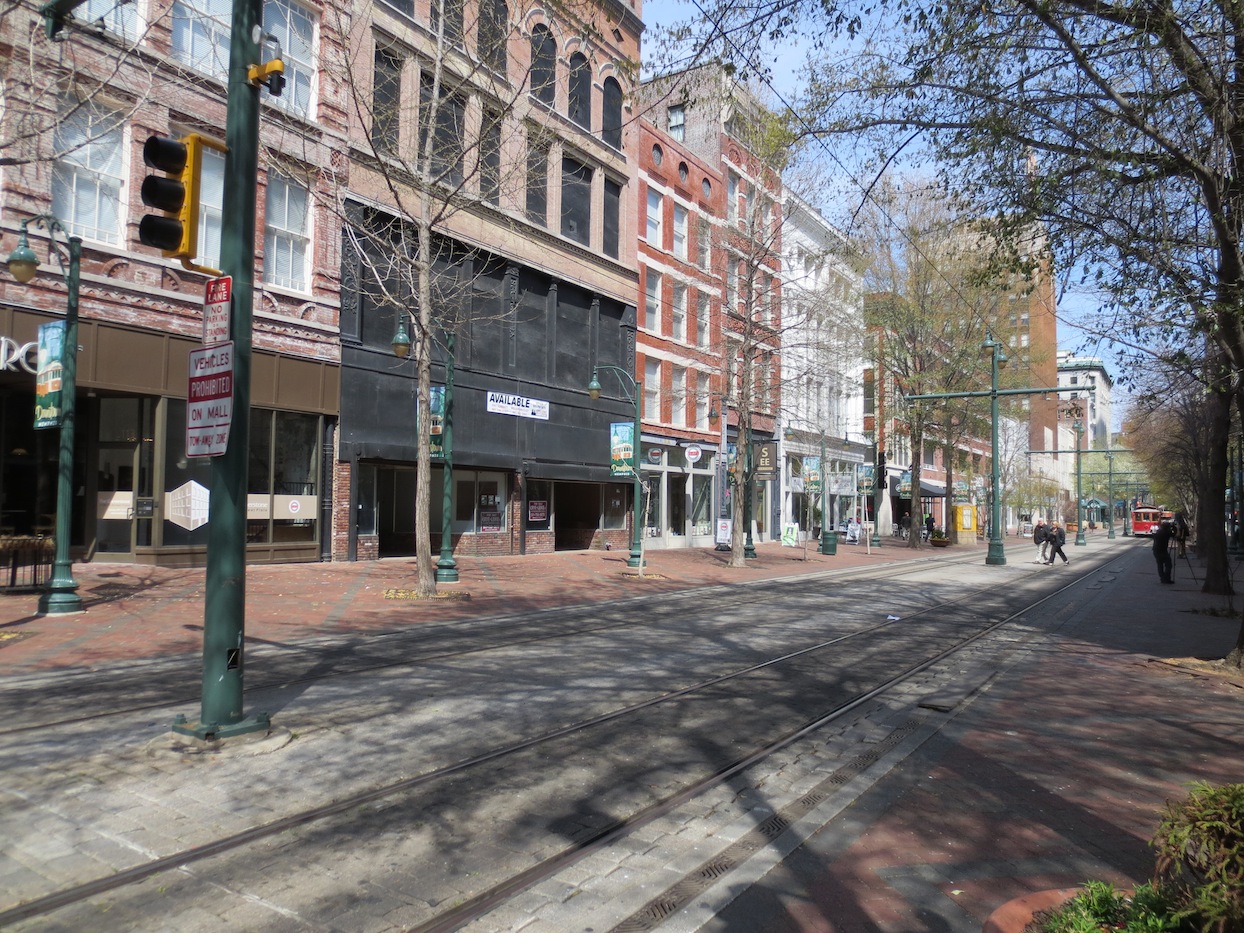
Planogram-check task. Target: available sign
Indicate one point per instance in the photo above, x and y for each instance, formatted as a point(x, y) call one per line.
point(217, 304)
point(209, 401)
point(518, 406)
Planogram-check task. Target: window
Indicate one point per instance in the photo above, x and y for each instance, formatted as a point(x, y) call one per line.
point(294, 28)
point(652, 390)
point(703, 240)
point(494, 23)
point(286, 234)
point(732, 288)
point(703, 401)
point(87, 176)
point(112, 15)
point(701, 319)
point(447, 113)
point(580, 91)
point(201, 35)
point(680, 231)
point(677, 125)
point(652, 302)
point(655, 207)
point(490, 157)
point(537, 182)
point(452, 10)
point(678, 414)
point(386, 102)
point(612, 217)
point(732, 197)
point(543, 65)
point(211, 205)
point(611, 113)
point(480, 501)
point(678, 314)
point(576, 201)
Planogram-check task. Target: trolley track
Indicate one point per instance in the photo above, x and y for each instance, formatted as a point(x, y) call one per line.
point(887, 654)
point(163, 684)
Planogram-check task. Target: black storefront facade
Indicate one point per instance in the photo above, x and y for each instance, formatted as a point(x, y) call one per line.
point(137, 497)
point(530, 449)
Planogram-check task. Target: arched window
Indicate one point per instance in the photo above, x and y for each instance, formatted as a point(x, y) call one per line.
point(494, 23)
point(543, 65)
point(611, 113)
point(580, 91)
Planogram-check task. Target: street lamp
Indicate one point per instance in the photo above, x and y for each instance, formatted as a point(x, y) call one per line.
point(446, 566)
point(626, 380)
point(1078, 427)
point(62, 593)
point(996, 555)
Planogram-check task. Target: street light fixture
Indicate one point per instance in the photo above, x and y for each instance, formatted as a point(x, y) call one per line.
point(626, 380)
point(996, 555)
point(62, 594)
point(1078, 427)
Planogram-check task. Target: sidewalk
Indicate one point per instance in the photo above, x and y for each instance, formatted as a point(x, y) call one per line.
point(134, 612)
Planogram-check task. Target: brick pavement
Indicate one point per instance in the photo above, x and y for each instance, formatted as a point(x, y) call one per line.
point(1053, 774)
point(134, 612)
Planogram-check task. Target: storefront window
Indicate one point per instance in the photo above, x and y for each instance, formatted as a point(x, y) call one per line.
point(616, 501)
point(187, 483)
point(652, 502)
point(539, 505)
point(479, 501)
point(702, 504)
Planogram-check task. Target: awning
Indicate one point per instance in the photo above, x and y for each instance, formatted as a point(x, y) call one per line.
point(932, 489)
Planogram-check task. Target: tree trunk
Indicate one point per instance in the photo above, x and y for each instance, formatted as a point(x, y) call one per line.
point(1211, 534)
point(425, 583)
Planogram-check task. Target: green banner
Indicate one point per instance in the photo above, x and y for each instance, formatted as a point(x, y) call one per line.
point(812, 475)
point(622, 449)
point(48, 401)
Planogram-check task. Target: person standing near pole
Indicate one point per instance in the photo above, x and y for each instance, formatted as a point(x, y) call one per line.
point(1162, 551)
point(1040, 537)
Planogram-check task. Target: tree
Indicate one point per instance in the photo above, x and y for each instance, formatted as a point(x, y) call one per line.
point(929, 309)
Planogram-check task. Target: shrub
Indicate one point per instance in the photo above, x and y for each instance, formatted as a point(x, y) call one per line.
point(1200, 855)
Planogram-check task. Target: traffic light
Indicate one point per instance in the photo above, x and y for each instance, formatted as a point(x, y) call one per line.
point(176, 232)
point(881, 477)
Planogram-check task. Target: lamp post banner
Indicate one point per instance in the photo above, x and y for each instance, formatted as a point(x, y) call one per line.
point(812, 475)
point(622, 449)
point(51, 368)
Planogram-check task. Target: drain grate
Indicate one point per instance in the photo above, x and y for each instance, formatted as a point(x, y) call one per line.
point(683, 892)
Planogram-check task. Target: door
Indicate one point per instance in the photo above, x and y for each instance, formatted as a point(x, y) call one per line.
point(115, 496)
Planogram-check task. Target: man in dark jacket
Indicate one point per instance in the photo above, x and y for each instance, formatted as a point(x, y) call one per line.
point(1056, 538)
point(1040, 539)
point(1162, 551)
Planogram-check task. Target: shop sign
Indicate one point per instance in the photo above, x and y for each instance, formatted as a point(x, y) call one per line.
point(15, 356)
point(655, 454)
point(48, 378)
point(217, 310)
point(209, 401)
point(538, 510)
point(766, 461)
point(519, 406)
point(622, 449)
point(842, 484)
point(725, 528)
point(693, 453)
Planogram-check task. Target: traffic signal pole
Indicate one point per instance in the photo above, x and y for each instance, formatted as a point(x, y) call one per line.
point(225, 608)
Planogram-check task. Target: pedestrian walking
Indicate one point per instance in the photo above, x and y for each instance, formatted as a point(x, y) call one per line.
point(1056, 537)
point(1040, 537)
point(928, 526)
point(904, 525)
point(1162, 551)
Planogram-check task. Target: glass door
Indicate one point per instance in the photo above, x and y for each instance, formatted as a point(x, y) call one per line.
point(115, 495)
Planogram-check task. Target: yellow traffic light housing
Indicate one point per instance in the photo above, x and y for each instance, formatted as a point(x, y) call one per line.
point(176, 194)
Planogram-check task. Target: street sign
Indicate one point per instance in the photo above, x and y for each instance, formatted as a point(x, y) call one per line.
point(209, 401)
point(217, 308)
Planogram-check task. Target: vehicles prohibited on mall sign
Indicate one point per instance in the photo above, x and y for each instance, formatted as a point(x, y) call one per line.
point(209, 401)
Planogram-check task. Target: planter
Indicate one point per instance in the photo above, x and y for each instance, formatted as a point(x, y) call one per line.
point(1014, 915)
point(940, 542)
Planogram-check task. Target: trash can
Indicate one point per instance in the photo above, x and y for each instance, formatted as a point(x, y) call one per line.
point(829, 542)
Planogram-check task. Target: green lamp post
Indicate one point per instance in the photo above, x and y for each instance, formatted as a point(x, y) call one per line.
point(62, 593)
point(446, 566)
point(996, 555)
point(1078, 427)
